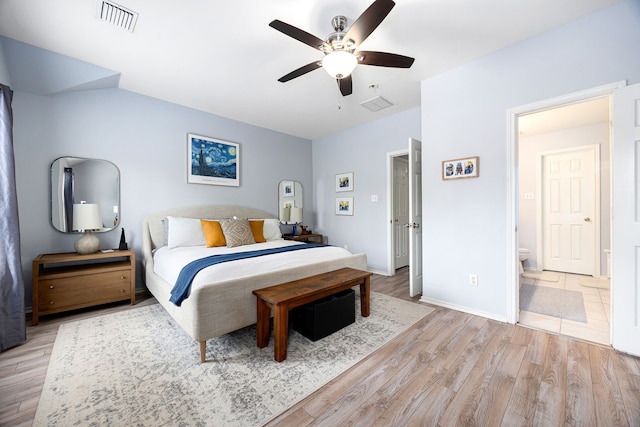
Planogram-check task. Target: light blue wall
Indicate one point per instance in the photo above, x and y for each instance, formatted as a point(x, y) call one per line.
point(146, 139)
point(464, 114)
point(363, 151)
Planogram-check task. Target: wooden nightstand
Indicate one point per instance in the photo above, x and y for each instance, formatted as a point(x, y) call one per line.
point(67, 281)
point(307, 238)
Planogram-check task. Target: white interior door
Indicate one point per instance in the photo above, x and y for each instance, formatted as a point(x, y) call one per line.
point(415, 217)
point(625, 256)
point(570, 192)
point(401, 211)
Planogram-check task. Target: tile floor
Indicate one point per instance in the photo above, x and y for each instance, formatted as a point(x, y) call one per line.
point(597, 304)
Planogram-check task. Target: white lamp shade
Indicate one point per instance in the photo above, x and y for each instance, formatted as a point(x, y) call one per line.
point(296, 215)
point(285, 214)
point(86, 216)
point(339, 64)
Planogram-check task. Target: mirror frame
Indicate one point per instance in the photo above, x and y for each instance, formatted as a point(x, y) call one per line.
point(55, 174)
point(289, 191)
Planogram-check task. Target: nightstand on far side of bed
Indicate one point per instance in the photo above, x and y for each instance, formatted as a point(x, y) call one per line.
point(307, 238)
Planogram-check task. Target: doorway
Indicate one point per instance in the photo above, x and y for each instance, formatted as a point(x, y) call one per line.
point(400, 206)
point(404, 207)
point(398, 210)
point(562, 157)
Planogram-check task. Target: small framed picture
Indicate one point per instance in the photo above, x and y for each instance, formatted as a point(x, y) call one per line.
point(344, 205)
point(212, 161)
point(288, 189)
point(460, 168)
point(288, 203)
point(344, 181)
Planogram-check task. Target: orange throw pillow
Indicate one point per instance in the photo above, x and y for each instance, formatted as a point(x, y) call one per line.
point(213, 234)
point(256, 228)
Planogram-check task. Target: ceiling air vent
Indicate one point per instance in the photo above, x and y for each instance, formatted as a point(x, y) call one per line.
point(117, 15)
point(376, 104)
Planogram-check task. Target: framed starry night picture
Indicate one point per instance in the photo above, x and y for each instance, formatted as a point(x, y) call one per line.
point(212, 161)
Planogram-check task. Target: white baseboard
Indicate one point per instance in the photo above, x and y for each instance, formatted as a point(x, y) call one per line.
point(463, 309)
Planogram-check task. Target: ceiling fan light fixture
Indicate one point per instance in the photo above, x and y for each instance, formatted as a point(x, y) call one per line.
point(339, 64)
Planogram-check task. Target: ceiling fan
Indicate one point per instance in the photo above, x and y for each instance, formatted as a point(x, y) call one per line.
point(341, 56)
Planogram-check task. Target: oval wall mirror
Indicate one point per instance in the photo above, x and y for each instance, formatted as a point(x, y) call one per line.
point(289, 196)
point(76, 180)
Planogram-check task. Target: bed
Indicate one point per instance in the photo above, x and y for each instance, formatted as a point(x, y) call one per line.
point(220, 298)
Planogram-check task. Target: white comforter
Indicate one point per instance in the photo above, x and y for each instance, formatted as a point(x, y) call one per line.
point(169, 262)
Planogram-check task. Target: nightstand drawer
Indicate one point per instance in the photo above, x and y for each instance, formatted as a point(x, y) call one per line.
point(83, 291)
point(87, 281)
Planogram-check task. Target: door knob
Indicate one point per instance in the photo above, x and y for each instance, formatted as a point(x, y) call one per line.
point(408, 225)
point(587, 219)
point(416, 225)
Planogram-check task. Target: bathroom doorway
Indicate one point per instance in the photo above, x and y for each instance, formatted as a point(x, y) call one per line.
point(563, 219)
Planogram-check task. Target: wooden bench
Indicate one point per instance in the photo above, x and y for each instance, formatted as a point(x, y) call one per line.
point(286, 296)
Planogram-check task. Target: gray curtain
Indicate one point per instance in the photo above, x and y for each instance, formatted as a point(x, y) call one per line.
point(12, 322)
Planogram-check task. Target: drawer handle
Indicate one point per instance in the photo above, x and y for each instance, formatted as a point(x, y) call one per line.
point(50, 302)
point(50, 286)
point(123, 277)
point(122, 290)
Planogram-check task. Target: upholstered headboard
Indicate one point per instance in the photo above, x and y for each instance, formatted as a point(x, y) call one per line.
point(153, 229)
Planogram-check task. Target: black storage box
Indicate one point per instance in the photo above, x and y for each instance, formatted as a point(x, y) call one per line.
point(325, 316)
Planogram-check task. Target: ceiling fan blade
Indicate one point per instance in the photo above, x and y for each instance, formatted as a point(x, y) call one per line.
point(346, 85)
point(384, 59)
point(298, 34)
point(300, 71)
point(369, 21)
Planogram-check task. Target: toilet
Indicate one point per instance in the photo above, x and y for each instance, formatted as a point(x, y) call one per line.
point(523, 255)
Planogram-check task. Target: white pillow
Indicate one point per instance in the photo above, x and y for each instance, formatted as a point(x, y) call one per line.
point(271, 229)
point(184, 232)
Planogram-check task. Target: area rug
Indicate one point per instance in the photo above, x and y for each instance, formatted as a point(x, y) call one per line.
point(592, 282)
point(541, 275)
point(553, 302)
point(138, 367)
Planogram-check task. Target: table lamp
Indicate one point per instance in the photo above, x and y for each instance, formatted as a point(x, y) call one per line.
point(295, 218)
point(86, 217)
point(285, 214)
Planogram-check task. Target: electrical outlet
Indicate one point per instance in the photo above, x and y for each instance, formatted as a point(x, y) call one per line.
point(473, 279)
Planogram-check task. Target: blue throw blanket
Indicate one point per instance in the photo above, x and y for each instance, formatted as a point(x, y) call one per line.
point(180, 290)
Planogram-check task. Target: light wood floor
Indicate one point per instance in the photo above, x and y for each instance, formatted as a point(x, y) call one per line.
point(455, 369)
point(450, 369)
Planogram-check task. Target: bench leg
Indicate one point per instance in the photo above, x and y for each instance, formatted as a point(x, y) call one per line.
point(262, 325)
point(365, 297)
point(203, 350)
point(280, 331)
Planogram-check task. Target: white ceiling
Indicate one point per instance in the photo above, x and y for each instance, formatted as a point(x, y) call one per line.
point(223, 58)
